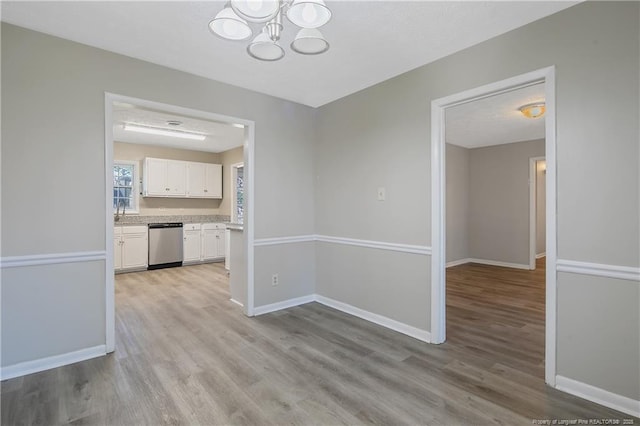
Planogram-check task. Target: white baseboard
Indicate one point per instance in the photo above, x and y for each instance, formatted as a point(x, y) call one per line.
point(539, 255)
point(498, 263)
point(400, 327)
point(237, 303)
point(36, 365)
point(458, 262)
point(265, 309)
point(599, 396)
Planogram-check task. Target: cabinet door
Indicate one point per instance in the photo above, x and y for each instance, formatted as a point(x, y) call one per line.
point(195, 179)
point(209, 244)
point(135, 250)
point(177, 178)
point(117, 252)
point(220, 243)
point(191, 246)
point(213, 181)
point(155, 177)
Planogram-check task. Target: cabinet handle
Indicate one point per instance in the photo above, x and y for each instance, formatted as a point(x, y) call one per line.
point(166, 189)
point(206, 190)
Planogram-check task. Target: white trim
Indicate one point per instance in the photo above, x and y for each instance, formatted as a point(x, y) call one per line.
point(400, 327)
point(237, 303)
point(438, 225)
point(265, 309)
point(487, 262)
point(540, 255)
point(51, 259)
point(249, 210)
point(599, 270)
point(404, 248)
point(259, 242)
point(36, 365)
point(458, 262)
point(533, 210)
point(498, 263)
point(381, 245)
point(599, 396)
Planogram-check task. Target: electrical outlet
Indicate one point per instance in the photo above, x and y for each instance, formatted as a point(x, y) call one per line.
point(274, 279)
point(382, 193)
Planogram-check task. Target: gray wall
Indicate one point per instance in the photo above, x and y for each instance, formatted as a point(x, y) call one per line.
point(457, 198)
point(380, 136)
point(53, 179)
point(499, 201)
point(541, 207)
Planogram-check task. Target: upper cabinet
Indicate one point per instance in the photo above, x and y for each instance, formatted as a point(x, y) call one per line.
point(204, 180)
point(181, 179)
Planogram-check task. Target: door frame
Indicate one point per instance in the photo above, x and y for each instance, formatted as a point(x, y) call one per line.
point(438, 182)
point(533, 210)
point(249, 172)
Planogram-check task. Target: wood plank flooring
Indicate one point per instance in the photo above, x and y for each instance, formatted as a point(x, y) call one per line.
point(186, 355)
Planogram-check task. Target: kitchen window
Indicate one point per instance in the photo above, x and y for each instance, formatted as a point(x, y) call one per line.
point(125, 186)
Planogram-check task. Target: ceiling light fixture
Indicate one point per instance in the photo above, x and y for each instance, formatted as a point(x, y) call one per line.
point(534, 110)
point(164, 132)
point(233, 23)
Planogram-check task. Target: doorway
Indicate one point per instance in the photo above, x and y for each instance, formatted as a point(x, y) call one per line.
point(248, 175)
point(438, 218)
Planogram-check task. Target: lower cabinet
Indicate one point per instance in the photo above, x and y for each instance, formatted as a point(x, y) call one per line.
point(192, 242)
point(213, 238)
point(130, 248)
point(203, 242)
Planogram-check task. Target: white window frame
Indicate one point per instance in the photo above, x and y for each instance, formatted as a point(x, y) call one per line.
point(135, 187)
point(234, 192)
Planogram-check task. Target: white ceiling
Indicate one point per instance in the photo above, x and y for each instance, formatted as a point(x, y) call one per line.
point(219, 136)
point(371, 41)
point(495, 120)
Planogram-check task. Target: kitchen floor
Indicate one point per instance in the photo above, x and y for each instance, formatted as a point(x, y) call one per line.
point(185, 354)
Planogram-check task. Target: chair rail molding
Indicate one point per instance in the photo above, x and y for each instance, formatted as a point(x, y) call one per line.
point(599, 269)
point(51, 259)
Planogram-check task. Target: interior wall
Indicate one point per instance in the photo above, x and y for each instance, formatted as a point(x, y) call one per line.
point(541, 207)
point(157, 206)
point(457, 199)
point(232, 156)
point(53, 177)
point(380, 136)
point(499, 201)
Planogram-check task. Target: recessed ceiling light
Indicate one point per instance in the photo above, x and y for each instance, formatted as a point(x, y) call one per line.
point(164, 132)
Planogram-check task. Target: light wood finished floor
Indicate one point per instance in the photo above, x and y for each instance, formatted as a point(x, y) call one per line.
point(186, 355)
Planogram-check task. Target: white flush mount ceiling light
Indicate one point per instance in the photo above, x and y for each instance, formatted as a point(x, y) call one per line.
point(534, 110)
point(233, 23)
point(164, 132)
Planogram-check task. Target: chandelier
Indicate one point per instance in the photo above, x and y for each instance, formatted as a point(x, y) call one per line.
point(232, 23)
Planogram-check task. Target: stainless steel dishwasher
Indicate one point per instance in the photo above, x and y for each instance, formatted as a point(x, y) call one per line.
point(165, 245)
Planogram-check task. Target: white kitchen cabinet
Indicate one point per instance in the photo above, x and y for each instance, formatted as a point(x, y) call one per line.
point(164, 178)
point(196, 175)
point(213, 180)
point(204, 180)
point(192, 244)
point(130, 248)
point(213, 241)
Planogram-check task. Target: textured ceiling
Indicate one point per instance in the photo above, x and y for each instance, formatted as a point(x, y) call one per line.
point(220, 136)
point(371, 41)
point(495, 120)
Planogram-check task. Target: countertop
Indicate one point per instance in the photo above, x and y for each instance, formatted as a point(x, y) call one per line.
point(145, 220)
